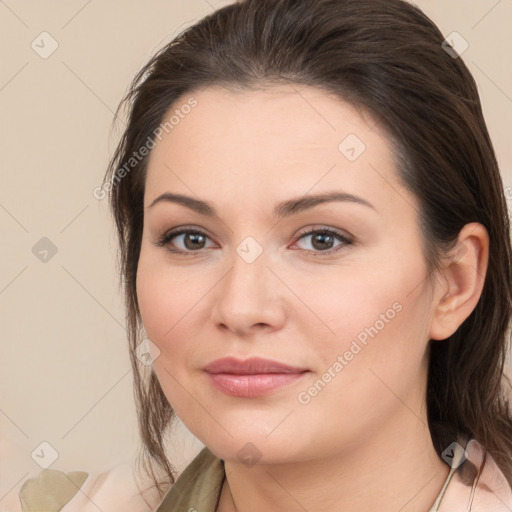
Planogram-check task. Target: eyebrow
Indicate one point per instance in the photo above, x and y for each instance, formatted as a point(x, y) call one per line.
point(284, 209)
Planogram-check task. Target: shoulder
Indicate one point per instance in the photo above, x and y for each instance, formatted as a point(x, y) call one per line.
point(486, 491)
point(112, 490)
point(492, 491)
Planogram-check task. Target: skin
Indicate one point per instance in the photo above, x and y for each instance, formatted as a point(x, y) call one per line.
point(363, 442)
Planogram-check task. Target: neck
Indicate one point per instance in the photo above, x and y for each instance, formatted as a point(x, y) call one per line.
point(397, 468)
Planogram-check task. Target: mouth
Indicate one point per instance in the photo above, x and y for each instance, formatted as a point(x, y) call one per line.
point(253, 377)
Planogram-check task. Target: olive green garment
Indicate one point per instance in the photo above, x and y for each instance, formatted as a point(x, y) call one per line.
point(198, 487)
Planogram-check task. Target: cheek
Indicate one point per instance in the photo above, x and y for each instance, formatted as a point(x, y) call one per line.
point(165, 306)
point(378, 319)
point(346, 304)
point(153, 301)
point(164, 299)
point(370, 369)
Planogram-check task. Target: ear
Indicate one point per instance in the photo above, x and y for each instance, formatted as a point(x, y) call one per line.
point(462, 281)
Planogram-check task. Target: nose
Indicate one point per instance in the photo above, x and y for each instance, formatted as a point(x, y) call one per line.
point(249, 299)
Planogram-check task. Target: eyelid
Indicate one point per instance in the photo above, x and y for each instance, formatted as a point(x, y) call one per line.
point(321, 227)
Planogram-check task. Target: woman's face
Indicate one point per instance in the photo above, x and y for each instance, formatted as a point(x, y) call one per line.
point(262, 278)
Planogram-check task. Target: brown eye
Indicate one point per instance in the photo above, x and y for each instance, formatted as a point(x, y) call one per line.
point(324, 241)
point(194, 240)
point(188, 241)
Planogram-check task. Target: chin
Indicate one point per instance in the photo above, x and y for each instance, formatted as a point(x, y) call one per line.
point(253, 450)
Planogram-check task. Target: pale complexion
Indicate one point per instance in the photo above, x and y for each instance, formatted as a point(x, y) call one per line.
point(363, 442)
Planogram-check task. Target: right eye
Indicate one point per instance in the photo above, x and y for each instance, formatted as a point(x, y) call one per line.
point(192, 240)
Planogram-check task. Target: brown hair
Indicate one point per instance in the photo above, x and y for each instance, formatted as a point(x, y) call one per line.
point(386, 57)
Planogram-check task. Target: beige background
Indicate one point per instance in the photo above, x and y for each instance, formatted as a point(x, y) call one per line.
point(65, 376)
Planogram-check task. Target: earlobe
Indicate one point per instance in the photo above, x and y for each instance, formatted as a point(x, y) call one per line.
point(463, 281)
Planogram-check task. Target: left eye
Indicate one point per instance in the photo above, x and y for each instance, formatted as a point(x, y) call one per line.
point(322, 240)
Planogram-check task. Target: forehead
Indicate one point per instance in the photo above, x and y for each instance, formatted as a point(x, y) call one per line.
point(285, 137)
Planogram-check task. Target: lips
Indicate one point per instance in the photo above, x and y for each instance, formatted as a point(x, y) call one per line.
point(254, 377)
point(252, 366)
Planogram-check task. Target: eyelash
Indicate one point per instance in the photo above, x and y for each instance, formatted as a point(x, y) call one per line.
point(168, 236)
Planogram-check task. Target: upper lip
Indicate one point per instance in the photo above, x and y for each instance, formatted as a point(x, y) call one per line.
point(251, 366)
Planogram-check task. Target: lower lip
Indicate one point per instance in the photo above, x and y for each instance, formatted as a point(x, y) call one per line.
point(252, 385)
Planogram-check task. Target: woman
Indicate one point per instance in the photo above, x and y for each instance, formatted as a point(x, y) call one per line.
point(314, 241)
